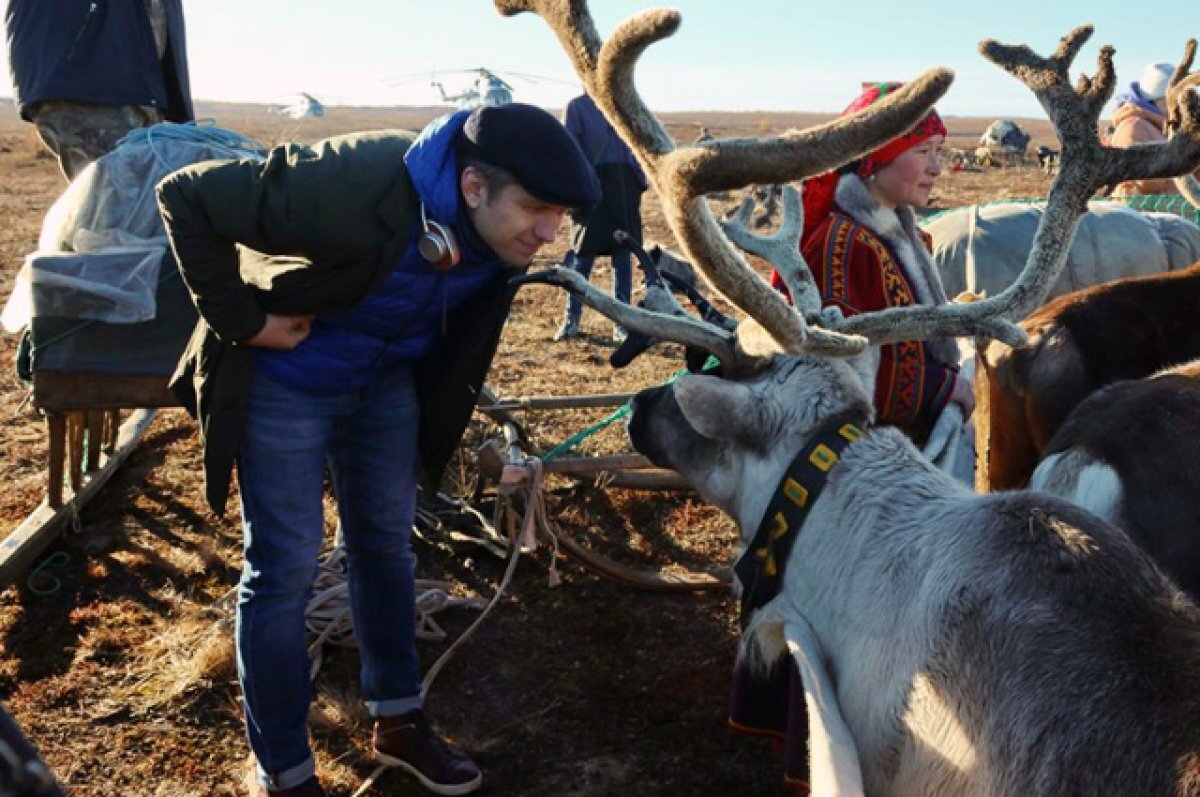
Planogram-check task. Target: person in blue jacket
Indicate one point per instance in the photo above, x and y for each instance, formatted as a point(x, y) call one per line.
point(622, 183)
point(354, 337)
point(86, 72)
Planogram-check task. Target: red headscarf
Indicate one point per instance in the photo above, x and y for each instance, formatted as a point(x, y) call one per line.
point(819, 191)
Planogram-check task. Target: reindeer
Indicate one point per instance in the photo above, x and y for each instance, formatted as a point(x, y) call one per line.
point(1047, 160)
point(1077, 343)
point(982, 248)
point(1128, 454)
point(949, 643)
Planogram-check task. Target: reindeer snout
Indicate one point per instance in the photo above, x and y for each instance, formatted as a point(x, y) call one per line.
point(640, 407)
point(645, 410)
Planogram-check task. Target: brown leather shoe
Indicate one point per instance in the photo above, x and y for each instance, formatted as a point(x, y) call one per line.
point(408, 741)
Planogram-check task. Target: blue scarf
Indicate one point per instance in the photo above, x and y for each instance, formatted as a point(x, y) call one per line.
point(1135, 97)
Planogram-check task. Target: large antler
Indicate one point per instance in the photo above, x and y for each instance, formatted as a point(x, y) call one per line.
point(683, 175)
point(1181, 96)
point(1085, 166)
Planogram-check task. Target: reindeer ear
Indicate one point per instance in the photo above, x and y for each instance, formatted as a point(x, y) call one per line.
point(717, 408)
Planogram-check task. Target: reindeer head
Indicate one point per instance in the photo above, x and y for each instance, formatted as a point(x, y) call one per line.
point(781, 379)
point(730, 437)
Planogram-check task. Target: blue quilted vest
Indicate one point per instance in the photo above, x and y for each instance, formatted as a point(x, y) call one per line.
point(395, 323)
point(400, 319)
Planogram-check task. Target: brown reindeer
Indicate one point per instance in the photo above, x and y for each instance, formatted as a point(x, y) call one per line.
point(1127, 329)
point(1079, 342)
point(949, 643)
point(1128, 453)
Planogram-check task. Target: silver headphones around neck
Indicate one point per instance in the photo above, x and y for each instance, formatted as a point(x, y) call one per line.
point(437, 244)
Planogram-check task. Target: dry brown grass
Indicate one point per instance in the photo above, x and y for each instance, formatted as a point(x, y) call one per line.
point(194, 651)
point(125, 677)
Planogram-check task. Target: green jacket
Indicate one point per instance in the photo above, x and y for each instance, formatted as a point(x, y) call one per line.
point(310, 229)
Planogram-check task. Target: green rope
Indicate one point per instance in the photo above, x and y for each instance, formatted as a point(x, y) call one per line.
point(1156, 203)
point(1162, 203)
point(595, 428)
point(577, 438)
point(43, 582)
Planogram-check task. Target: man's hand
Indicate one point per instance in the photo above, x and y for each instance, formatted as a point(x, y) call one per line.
point(282, 332)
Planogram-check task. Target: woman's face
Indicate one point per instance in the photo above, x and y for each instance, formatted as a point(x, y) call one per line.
point(909, 179)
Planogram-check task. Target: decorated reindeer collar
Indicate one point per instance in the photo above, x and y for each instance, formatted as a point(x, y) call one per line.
point(760, 568)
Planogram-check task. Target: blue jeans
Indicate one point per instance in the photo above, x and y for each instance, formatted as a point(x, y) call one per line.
point(622, 266)
point(368, 439)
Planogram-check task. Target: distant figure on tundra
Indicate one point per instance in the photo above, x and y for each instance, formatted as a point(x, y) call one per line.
point(1140, 118)
point(1047, 160)
point(356, 340)
point(620, 208)
point(86, 72)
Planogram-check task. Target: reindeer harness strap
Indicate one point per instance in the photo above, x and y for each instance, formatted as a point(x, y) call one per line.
point(760, 567)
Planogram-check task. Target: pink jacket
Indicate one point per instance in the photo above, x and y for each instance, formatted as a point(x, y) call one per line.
point(1137, 125)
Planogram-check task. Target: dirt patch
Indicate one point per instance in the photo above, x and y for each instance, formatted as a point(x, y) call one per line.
point(116, 656)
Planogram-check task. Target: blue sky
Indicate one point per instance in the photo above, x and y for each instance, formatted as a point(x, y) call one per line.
point(727, 55)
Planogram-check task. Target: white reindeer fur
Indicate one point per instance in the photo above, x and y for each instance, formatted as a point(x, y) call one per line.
point(882, 483)
point(833, 758)
point(1079, 478)
point(853, 572)
point(892, 557)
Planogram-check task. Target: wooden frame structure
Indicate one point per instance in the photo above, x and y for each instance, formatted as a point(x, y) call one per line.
point(86, 442)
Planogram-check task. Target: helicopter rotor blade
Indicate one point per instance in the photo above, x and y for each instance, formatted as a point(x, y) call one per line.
point(539, 78)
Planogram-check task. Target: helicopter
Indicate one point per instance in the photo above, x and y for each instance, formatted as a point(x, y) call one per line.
point(488, 87)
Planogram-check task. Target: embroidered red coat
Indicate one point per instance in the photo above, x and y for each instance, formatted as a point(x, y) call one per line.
point(857, 271)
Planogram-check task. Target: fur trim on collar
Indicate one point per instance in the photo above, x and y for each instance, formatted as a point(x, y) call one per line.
point(898, 230)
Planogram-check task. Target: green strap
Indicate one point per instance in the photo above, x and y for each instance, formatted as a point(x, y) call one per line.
point(577, 438)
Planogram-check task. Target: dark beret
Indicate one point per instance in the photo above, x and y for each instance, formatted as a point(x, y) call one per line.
point(535, 148)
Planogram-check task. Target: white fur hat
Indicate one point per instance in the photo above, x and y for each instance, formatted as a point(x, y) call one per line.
point(1154, 80)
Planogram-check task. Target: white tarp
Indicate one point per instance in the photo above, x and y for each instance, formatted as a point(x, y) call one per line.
point(102, 241)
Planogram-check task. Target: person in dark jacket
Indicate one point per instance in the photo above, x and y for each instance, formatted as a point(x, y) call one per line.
point(355, 336)
point(86, 72)
point(622, 183)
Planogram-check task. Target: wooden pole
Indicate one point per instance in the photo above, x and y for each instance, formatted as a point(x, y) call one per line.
point(56, 430)
point(557, 402)
point(75, 424)
point(21, 548)
point(654, 480)
point(95, 438)
point(588, 465)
